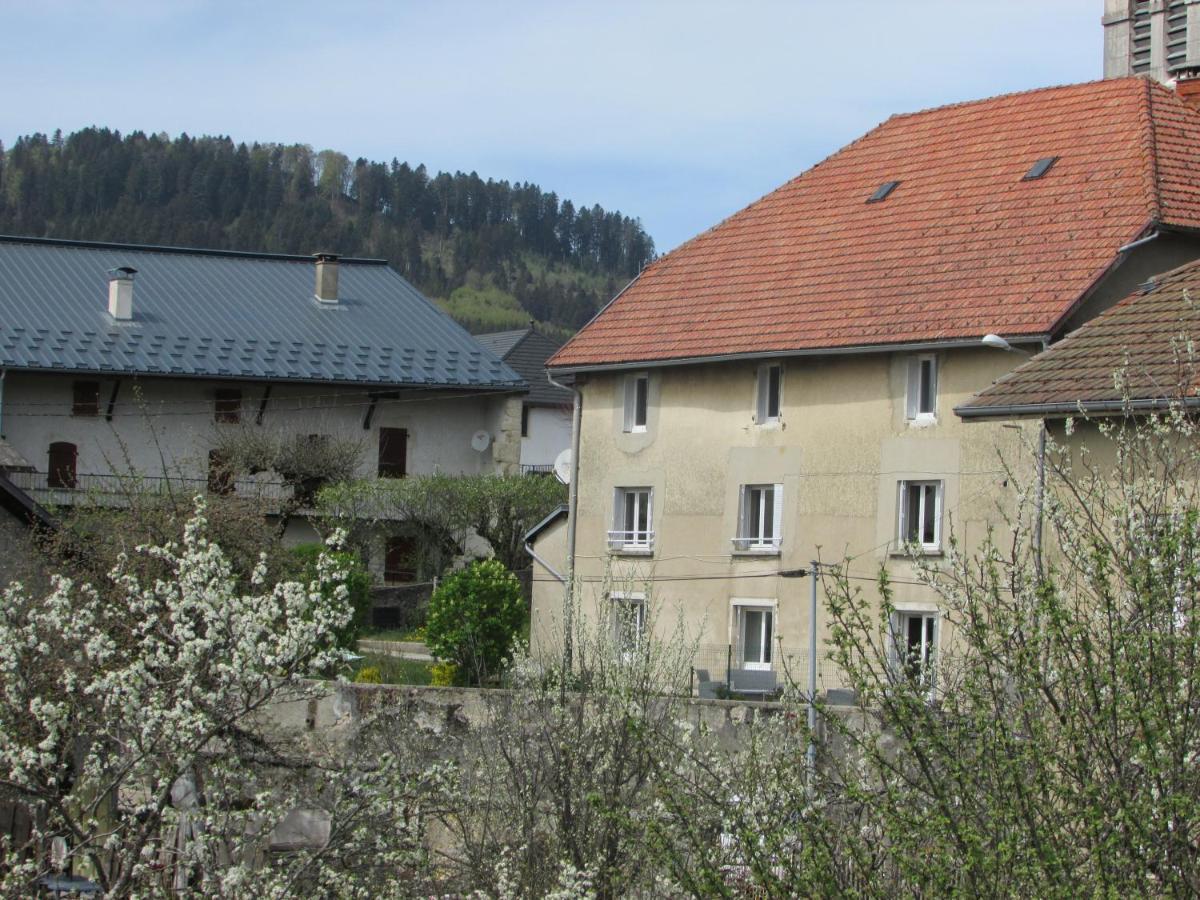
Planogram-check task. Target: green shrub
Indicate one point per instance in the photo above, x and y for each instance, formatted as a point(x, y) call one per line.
point(358, 583)
point(443, 674)
point(474, 615)
point(368, 675)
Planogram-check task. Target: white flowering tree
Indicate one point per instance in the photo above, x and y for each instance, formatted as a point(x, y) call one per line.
point(127, 718)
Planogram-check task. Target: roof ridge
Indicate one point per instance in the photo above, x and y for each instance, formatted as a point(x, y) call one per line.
point(1150, 151)
point(753, 203)
point(166, 248)
point(1021, 93)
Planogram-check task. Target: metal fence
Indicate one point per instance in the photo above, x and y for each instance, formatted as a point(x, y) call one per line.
point(114, 490)
point(718, 672)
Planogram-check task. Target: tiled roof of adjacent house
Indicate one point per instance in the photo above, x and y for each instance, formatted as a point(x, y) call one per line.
point(1139, 351)
point(526, 351)
point(223, 314)
point(962, 245)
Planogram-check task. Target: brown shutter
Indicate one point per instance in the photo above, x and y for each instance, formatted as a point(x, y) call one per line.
point(393, 452)
point(61, 471)
point(85, 400)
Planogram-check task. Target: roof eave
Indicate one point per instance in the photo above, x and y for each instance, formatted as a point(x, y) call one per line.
point(968, 412)
point(556, 513)
point(899, 347)
point(493, 386)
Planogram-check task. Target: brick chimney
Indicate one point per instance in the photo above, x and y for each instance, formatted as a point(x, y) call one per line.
point(120, 292)
point(1187, 84)
point(327, 277)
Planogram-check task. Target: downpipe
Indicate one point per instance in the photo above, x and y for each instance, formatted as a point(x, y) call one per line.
point(572, 523)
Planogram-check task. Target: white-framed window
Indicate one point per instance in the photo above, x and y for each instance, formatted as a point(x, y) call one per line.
point(921, 403)
point(628, 613)
point(633, 509)
point(915, 642)
point(760, 519)
point(637, 397)
point(920, 515)
point(769, 394)
point(754, 635)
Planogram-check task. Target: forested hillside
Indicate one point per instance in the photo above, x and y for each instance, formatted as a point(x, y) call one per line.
point(494, 254)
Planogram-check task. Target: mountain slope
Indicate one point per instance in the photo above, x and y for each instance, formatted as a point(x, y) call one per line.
point(493, 253)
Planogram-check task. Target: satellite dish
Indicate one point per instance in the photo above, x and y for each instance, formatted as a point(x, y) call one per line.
point(562, 466)
point(480, 440)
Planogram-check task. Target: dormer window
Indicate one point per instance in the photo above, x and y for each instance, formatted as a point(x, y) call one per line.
point(883, 191)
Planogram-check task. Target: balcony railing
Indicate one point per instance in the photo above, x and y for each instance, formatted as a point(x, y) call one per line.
point(718, 671)
point(114, 490)
point(538, 470)
point(756, 545)
point(631, 541)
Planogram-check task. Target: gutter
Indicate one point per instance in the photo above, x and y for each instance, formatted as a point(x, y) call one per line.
point(1073, 408)
point(906, 347)
point(1152, 236)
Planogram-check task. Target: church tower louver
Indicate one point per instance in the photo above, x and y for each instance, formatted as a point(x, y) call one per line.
point(1154, 37)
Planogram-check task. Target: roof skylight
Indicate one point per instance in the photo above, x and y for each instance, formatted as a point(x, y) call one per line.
point(881, 193)
point(1040, 168)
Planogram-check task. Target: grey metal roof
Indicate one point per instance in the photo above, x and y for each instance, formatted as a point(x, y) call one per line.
point(555, 514)
point(526, 351)
point(502, 342)
point(222, 314)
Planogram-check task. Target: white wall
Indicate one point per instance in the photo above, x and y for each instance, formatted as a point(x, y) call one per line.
point(549, 435)
point(159, 421)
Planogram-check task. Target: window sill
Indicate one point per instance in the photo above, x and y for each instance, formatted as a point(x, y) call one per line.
point(770, 425)
point(631, 551)
point(755, 551)
point(924, 552)
point(924, 420)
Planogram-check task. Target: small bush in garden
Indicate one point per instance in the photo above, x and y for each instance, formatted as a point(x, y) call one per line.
point(474, 616)
point(368, 675)
point(443, 674)
point(358, 587)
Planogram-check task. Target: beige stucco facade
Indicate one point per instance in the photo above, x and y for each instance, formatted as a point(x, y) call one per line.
point(840, 448)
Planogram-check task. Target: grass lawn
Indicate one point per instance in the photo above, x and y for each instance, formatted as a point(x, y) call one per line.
point(393, 670)
point(394, 634)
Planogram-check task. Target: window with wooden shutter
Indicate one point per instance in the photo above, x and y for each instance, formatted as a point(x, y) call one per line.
point(393, 452)
point(228, 405)
point(760, 519)
point(60, 473)
point(85, 399)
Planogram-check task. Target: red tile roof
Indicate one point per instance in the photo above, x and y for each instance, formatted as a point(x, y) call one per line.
point(963, 246)
point(1145, 340)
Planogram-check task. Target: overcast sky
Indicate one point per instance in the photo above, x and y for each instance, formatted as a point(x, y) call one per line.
point(679, 113)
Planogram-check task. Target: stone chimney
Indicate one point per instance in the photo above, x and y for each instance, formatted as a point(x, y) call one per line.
point(120, 292)
point(327, 277)
point(1187, 84)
